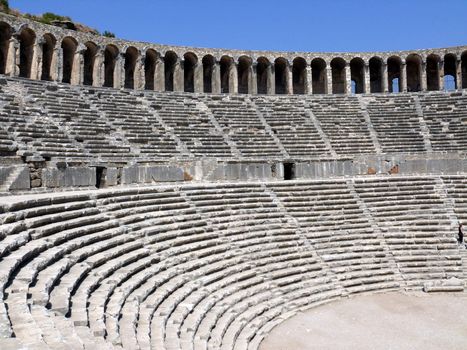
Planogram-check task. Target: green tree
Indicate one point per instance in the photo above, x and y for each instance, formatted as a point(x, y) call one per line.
point(108, 34)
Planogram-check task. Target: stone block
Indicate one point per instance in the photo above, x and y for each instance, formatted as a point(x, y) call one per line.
point(68, 177)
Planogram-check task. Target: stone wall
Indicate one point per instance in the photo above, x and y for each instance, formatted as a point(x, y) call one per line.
point(57, 54)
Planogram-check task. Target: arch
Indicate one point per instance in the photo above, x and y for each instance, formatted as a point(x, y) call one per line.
point(226, 64)
point(376, 74)
point(357, 75)
point(243, 70)
point(190, 60)
point(89, 62)
point(263, 67)
point(27, 39)
point(450, 71)
point(464, 69)
point(280, 73)
point(432, 72)
point(110, 59)
point(338, 75)
point(299, 76)
point(69, 46)
point(170, 61)
point(48, 47)
point(318, 76)
point(5, 36)
point(208, 62)
point(150, 61)
point(414, 70)
point(131, 56)
point(394, 73)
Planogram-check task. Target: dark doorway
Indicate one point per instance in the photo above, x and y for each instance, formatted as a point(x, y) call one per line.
point(289, 171)
point(100, 176)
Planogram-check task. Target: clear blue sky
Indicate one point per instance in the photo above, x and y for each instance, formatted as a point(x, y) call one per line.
point(300, 25)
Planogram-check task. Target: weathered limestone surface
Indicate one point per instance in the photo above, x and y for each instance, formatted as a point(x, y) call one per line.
point(69, 177)
point(139, 65)
point(216, 265)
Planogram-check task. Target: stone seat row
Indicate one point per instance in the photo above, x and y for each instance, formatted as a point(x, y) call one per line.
point(99, 123)
point(206, 266)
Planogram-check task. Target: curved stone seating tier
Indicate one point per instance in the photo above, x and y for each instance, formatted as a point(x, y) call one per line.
point(78, 123)
point(397, 124)
point(344, 124)
point(214, 266)
point(445, 115)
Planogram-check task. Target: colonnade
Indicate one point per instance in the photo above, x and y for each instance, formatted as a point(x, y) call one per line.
point(25, 54)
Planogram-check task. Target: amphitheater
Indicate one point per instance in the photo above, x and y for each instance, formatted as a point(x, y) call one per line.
point(157, 197)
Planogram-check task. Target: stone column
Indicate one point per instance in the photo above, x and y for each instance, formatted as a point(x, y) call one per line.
point(198, 78)
point(216, 78)
point(178, 82)
point(423, 81)
point(77, 72)
point(36, 59)
point(366, 79)
point(328, 83)
point(384, 77)
point(60, 64)
point(98, 69)
point(348, 79)
point(40, 57)
point(441, 75)
point(273, 79)
point(233, 78)
point(270, 80)
point(159, 75)
point(289, 79)
point(140, 78)
point(54, 64)
point(119, 71)
point(308, 80)
point(403, 78)
point(460, 83)
point(11, 67)
point(252, 79)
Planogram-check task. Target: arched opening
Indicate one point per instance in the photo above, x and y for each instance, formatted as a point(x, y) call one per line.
point(89, 62)
point(299, 76)
point(357, 74)
point(414, 68)
point(318, 76)
point(131, 55)
point(338, 75)
point(244, 65)
point(450, 72)
point(189, 64)
point(150, 69)
point(26, 39)
point(432, 72)
point(464, 69)
point(280, 72)
point(394, 73)
point(262, 67)
point(208, 72)
point(110, 59)
point(48, 47)
point(170, 60)
point(376, 75)
point(5, 36)
point(69, 46)
point(226, 63)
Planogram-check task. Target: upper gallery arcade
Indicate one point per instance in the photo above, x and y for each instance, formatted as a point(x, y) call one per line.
point(36, 51)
